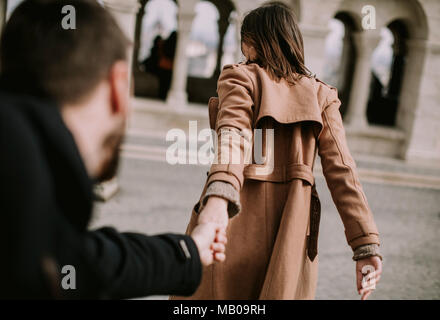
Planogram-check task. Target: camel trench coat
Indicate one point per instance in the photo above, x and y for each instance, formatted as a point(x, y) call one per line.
point(272, 243)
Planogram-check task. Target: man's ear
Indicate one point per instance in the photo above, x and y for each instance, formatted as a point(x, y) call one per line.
point(119, 87)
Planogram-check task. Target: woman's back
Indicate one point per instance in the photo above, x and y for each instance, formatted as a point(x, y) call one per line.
point(270, 205)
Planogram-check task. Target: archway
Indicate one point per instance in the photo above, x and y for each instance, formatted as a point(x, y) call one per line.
point(209, 40)
point(156, 21)
point(340, 56)
point(388, 66)
point(10, 5)
point(213, 35)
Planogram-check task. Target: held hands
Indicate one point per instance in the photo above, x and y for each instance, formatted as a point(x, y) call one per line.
point(210, 240)
point(368, 272)
point(210, 233)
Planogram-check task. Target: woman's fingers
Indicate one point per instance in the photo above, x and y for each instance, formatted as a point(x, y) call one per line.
point(377, 279)
point(365, 295)
point(359, 277)
point(366, 289)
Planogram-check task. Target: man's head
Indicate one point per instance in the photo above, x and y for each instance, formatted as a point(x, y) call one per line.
point(84, 70)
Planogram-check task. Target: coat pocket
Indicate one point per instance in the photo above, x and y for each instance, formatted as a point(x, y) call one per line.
point(315, 217)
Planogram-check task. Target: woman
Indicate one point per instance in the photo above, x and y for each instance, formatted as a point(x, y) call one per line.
point(272, 210)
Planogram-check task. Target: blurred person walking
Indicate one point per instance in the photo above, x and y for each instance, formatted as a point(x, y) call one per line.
point(166, 53)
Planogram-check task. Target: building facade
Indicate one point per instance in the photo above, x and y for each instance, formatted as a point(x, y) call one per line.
point(397, 117)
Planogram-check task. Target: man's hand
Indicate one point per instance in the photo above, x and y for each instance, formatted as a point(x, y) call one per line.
point(215, 211)
point(368, 272)
point(210, 239)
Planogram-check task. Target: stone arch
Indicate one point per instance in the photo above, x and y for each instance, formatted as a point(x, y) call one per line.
point(410, 13)
point(410, 17)
point(387, 77)
point(339, 69)
point(201, 88)
point(225, 9)
point(145, 83)
point(296, 6)
point(407, 21)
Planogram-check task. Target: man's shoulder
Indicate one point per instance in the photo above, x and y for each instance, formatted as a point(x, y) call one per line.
point(18, 136)
point(13, 119)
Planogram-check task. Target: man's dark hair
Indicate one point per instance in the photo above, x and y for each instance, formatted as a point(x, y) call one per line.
point(40, 58)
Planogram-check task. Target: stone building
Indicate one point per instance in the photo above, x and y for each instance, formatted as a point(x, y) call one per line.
point(392, 110)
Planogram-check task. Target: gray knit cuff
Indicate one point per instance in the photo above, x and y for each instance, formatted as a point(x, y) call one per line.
point(365, 251)
point(226, 191)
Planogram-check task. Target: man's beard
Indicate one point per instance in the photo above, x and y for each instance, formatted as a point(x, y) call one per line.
point(110, 166)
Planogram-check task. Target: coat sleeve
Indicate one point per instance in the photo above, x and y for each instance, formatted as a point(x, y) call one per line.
point(234, 127)
point(342, 179)
point(136, 265)
point(37, 241)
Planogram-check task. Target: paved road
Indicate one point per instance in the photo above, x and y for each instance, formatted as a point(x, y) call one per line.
point(156, 197)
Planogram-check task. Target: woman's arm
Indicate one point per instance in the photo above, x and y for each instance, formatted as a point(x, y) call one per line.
point(340, 173)
point(339, 170)
point(234, 132)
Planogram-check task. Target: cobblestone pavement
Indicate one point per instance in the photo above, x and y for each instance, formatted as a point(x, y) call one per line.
point(156, 197)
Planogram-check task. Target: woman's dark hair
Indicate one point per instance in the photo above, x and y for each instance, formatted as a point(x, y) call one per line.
point(274, 33)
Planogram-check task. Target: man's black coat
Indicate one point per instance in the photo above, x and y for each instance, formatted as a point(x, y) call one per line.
point(45, 207)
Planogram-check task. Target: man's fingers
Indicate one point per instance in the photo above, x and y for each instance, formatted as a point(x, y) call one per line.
point(221, 238)
point(218, 247)
point(221, 230)
point(220, 257)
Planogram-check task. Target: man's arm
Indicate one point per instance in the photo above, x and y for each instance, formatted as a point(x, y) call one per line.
point(137, 265)
point(37, 241)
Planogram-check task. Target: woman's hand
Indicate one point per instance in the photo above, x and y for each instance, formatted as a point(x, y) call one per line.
point(215, 211)
point(368, 272)
point(210, 240)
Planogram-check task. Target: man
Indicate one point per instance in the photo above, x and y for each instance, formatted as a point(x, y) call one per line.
point(63, 108)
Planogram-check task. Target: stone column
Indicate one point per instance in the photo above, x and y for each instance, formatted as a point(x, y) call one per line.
point(235, 19)
point(314, 37)
point(2, 14)
point(125, 12)
point(365, 43)
point(177, 96)
point(345, 61)
point(418, 112)
point(223, 24)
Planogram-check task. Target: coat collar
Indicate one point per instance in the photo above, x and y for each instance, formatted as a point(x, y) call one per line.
point(72, 185)
point(285, 103)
